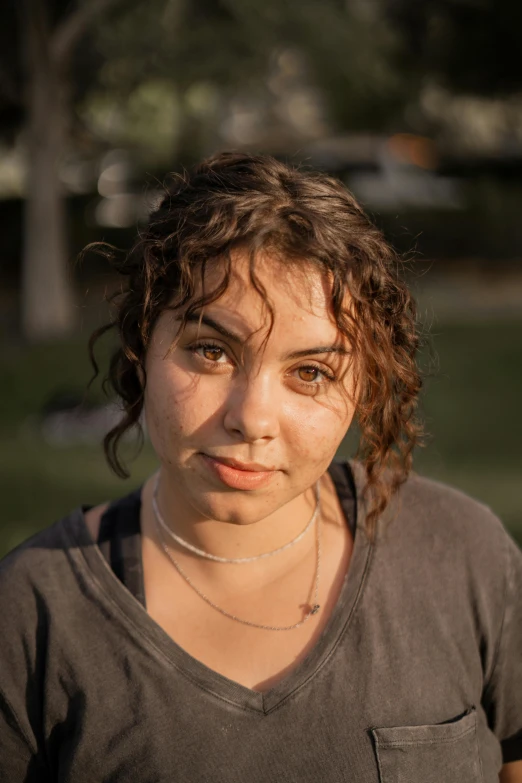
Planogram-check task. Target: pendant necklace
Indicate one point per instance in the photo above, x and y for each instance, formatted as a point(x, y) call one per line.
point(313, 609)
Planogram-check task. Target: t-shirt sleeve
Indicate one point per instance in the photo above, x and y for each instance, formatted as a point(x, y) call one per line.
point(18, 762)
point(503, 693)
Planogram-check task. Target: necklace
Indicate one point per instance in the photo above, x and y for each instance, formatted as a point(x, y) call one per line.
point(217, 558)
point(313, 609)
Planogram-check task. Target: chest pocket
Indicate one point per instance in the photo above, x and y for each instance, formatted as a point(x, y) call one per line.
point(442, 753)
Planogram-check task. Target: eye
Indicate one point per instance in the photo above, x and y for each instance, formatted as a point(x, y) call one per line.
point(308, 374)
point(210, 352)
point(314, 376)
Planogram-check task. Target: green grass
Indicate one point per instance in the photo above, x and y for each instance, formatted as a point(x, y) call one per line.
point(40, 483)
point(472, 408)
point(31, 374)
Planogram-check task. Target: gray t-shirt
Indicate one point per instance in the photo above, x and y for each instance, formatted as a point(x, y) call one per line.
point(417, 677)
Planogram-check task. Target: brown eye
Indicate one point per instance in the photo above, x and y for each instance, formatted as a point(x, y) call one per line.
point(308, 374)
point(212, 352)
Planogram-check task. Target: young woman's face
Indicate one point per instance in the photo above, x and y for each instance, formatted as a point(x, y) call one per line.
point(243, 422)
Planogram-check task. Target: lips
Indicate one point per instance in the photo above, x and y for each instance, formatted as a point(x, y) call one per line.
point(254, 467)
point(239, 475)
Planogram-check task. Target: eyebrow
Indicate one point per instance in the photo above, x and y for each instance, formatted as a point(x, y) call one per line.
point(319, 349)
point(213, 324)
point(198, 318)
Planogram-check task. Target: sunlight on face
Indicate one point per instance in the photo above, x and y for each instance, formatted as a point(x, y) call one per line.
point(278, 403)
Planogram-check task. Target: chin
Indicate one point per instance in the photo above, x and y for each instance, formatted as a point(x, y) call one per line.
point(233, 508)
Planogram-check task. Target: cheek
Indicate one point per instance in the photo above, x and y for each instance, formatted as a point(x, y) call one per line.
point(177, 406)
point(317, 429)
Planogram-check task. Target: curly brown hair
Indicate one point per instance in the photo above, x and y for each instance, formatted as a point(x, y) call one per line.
point(256, 202)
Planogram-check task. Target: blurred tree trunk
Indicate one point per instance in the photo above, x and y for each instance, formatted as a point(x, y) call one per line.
point(47, 298)
point(47, 291)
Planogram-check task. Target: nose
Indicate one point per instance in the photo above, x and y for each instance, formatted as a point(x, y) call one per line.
point(252, 410)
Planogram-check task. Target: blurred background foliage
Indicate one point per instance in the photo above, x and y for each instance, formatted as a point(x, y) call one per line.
point(417, 107)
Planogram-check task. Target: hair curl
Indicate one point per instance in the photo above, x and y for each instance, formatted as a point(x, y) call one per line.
point(257, 202)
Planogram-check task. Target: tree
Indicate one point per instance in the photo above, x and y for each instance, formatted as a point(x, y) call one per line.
point(226, 44)
point(48, 306)
point(36, 90)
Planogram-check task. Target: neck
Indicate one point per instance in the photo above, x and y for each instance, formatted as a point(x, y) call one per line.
point(229, 539)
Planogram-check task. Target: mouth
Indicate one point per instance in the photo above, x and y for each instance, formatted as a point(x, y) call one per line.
point(250, 467)
point(237, 474)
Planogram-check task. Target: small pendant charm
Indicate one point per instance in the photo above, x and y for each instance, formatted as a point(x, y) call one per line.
point(315, 609)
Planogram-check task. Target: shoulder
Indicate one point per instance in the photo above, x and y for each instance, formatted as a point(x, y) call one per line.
point(46, 565)
point(35, 585)
point(39, 592)
point(37, 576)
point(433, 533)
point(44, 583)
point(433, 508)
point(92, 519)
point(425, 509)
point(449, 541)
point(37, 562)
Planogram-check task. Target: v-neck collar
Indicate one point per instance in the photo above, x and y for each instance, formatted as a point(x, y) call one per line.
point(87, 556)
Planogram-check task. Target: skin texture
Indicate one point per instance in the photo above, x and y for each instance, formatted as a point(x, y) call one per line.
point(511, 773)
point(247, 400)
point(250, 400)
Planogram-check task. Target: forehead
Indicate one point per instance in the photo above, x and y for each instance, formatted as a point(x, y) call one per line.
point(291, 292)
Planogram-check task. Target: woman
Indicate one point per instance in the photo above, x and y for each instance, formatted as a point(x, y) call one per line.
point(256, 612)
